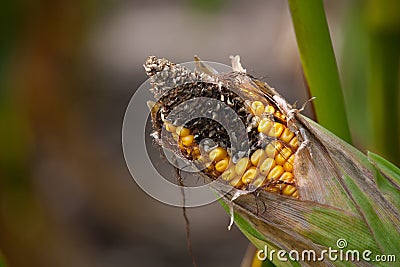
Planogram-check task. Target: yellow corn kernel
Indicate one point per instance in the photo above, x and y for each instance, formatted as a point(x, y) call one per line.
point(288, 167)
point(169, 127)
point(280, 115)
point(242, 165)
point(229, 174)
point(291, 159)
point(217, 154)
point(287, 135)
point(269, 109)
point(257, 156)
point(175, 136)
point(276, 130)
point(202, 162)
point(294, 142)
point(265, 125)
point(287, 177)
point(257, 107)
point(182, 131)
point(280, 160)
point(266, 166)
point(236, 182)
point(289, 190)
point(187, 140)
point(221, 165)
point(283, 156)
point(272, 189)
point(202, 159)
point(258, 182)
point(272, 149)
point(275, 173)
point(196, 151)
point(249, 175)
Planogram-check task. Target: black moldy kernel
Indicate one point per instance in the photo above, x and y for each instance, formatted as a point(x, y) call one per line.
point(203, 127)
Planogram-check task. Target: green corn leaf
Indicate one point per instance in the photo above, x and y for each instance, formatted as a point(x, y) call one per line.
point(367, 218)
point(387, 168)
point(319, 64)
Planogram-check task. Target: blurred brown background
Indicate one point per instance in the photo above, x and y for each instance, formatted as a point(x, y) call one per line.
point(68, 70)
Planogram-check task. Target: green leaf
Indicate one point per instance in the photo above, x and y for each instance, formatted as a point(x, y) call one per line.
point(390, 170)
point(383, 24)
point(319, 65)
point(388, 178)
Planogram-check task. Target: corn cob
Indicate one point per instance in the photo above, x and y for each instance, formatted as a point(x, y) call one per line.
point(268, 165)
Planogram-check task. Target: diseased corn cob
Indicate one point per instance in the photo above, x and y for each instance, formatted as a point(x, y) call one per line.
point(267, 164)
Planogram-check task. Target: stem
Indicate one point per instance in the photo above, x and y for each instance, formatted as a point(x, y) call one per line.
point(319, 65)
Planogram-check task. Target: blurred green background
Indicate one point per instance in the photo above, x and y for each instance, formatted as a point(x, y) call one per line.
point(67, 72)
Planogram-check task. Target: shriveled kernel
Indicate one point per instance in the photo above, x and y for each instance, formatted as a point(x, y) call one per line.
point(265, 125)
point(266, 166)
point(169, 127)
point(269, 109)
point(275, 173)
point(283, 156)
point(276, 130)
point(236, 182)
point(221, 165)
point(209, 167)
point(182, 131)
point(249, 175)
point(286, 177)
point(272, 149)
point(272, 189)
point(294, 142)
point(187, 140)
point(242, 165)
point(287, 135)
point(217, 154)
point(229, 174)
point(257, 107)
point(257, 156)
point(289, 190)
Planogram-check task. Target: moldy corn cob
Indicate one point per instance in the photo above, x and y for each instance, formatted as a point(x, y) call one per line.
point(266, 162)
